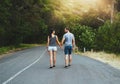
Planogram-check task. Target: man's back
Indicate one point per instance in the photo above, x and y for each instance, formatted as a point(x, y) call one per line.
point(69, 37)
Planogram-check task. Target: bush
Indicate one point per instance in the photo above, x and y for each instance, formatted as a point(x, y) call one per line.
point(108, 37)
point(84, 36)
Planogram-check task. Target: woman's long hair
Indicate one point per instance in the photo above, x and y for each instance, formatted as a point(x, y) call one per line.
point(50, 33)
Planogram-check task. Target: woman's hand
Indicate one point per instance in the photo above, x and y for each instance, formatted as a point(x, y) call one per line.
point(47, 48)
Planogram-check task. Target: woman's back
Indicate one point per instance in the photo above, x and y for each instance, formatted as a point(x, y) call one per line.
point(52, 41)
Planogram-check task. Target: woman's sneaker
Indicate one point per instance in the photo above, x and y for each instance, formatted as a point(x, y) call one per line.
point(53, 65)
point(69, 65)
point(50, 67)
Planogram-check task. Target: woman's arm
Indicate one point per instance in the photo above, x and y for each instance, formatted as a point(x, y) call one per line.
point(48, 40)
point(58, 41)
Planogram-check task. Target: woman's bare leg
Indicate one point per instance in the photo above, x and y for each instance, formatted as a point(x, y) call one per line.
point(54, 58)
point(51, 58)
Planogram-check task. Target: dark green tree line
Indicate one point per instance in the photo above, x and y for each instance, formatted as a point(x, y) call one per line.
point(23, 21)
point(108, 36)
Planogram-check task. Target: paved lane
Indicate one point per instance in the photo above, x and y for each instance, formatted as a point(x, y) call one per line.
point(83, 70)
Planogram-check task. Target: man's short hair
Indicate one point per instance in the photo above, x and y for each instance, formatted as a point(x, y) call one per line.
point(67, 28)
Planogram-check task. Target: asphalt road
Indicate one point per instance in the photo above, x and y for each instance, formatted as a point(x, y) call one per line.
point(31, 66)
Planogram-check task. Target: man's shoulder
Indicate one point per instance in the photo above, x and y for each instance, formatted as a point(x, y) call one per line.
point(68, 34)
point(71, 34)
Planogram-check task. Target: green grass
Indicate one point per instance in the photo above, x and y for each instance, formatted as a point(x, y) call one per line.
point(7, 49)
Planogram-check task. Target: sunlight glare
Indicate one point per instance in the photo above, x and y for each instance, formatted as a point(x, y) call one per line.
point(79, 7)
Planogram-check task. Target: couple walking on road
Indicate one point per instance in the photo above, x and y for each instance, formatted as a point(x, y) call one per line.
point(69, 42)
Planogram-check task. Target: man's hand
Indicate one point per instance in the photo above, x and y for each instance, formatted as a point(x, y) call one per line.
point(73, 48)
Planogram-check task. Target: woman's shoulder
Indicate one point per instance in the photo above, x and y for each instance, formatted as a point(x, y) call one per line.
point(55, 36)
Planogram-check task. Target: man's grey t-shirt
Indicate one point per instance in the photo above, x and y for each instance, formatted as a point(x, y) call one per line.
point(68, 38)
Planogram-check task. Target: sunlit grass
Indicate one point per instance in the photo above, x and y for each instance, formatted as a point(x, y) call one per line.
point(108, 58)
point(8, 49)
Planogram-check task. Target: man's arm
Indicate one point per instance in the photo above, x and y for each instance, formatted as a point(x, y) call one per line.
point(73, 41)
point(63, 39)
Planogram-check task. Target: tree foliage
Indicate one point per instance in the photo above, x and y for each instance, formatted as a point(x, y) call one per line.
point(23, 21)
point(28, 21)
point(84, 35)
point(108, 36)
point(118, 5)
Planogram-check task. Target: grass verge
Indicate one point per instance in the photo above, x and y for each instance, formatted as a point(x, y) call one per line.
point(9, 49)
point(108, 58)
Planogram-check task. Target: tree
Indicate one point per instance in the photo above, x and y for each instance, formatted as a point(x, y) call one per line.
point(118, 5)
point(107, 37)
point(4, 22)
point(84, 36)
point(23, 19)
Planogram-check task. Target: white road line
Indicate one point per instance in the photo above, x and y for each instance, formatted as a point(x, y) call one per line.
point(14, 76)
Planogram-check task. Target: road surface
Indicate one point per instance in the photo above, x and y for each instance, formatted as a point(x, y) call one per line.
point(31, 66)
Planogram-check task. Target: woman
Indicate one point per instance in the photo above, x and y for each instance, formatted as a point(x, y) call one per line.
point(52, 42)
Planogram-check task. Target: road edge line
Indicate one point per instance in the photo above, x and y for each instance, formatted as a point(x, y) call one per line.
point(18, 73)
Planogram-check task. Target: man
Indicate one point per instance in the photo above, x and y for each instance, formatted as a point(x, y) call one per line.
point(69, 40)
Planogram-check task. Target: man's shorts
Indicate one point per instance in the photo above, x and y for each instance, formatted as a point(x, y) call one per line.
point(52, 48)
point(68, 50)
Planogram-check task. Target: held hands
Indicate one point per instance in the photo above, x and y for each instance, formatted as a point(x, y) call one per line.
point(61, 45)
